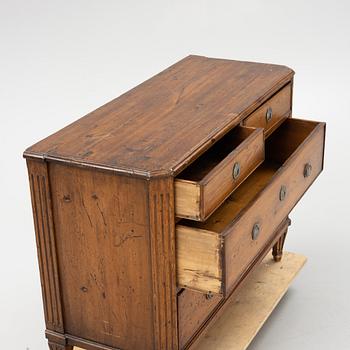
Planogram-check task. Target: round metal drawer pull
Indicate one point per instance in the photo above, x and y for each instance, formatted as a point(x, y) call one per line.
point(236, 170)
point(307, 170)
point(209, 295)
point(269, 114)
point(255, 231)
point(283, 192)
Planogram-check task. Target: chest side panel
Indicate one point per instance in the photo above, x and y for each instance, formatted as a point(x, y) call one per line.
point(103, 251)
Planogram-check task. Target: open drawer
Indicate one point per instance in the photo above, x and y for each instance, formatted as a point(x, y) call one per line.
point(206, 183)
point(213, 255)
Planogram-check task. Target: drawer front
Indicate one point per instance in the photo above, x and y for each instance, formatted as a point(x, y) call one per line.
point(198, 194)
point(194, 308)
point(272, 112)
point(232, 172)
point(253, 228)
point(215, 254)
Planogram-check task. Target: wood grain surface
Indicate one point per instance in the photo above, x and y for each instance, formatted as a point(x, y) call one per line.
point(104, 261)
point(114, 257)
point(257, 201)
point(164, 123)
point(281, 108)
point(45, 240)
point(199, 257)
point(206, 183)
point(163, 257)
point(193, 309)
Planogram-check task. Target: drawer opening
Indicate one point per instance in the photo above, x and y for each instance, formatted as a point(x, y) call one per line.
point(219, 151)
point(279, 148)
point(205, 184)
point(287, 138)
point(214, 254)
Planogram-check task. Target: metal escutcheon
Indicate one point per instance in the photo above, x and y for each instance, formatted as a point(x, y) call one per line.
point(283, 192)
point(269, 114)
point(255, 231)
point(236, 170)
point(307, 169)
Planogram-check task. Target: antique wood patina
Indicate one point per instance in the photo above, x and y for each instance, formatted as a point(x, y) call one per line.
point(151, 211)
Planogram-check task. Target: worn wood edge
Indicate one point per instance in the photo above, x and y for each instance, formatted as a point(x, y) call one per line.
point(119, 170)
point(199, 263)
point(238, 324)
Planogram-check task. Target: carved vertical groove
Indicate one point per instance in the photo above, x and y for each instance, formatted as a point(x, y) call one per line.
point(45, 240)
point(162, 232)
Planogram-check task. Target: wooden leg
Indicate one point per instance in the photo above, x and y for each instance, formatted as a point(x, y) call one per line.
point(55, 346)
point(277, 250)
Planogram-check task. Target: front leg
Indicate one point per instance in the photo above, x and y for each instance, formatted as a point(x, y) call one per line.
point(277, 250)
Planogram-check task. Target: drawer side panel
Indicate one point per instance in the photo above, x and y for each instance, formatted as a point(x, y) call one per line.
point(199, 259)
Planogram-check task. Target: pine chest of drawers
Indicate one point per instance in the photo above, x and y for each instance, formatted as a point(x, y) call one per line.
point(150, 211)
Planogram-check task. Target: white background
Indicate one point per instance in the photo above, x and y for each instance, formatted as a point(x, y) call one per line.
point(61, 59)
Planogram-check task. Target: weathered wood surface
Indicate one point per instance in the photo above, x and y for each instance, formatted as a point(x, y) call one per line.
point(160, 125)
point(280, 106)
point(206, 183)
point(294, 146)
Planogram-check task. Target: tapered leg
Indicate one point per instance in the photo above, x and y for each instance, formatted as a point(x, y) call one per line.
point(277, 250)
point(55, 346)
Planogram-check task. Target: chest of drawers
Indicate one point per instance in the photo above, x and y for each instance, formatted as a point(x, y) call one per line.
point(152, 210)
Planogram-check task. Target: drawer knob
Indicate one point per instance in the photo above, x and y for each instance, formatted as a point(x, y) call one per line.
point(269, 114)
point(209, 295)
point(236, 170)
point(255, 231)
point(307, 170)
point(283, 192)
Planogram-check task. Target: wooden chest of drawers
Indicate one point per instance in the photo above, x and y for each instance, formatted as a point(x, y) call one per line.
point(151, 211)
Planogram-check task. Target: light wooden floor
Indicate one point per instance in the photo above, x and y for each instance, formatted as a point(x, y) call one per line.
point(246, 314)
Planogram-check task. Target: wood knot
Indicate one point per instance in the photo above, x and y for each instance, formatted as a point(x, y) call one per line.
point(84, 289)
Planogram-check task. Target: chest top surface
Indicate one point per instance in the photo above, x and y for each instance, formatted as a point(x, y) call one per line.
point(164, 123)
